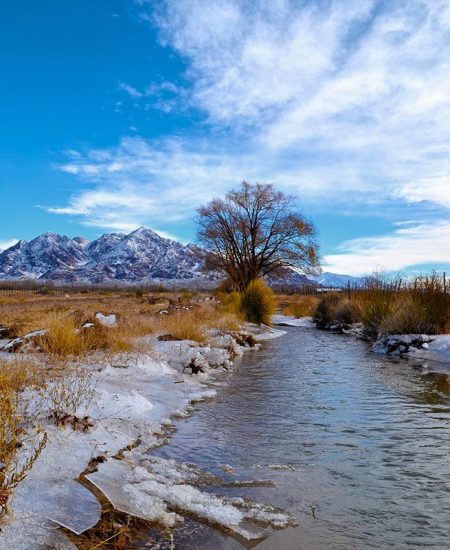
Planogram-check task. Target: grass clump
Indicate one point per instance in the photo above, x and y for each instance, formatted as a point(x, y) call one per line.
point(391, 307)
point(257, 303)
point(301, 306)
point(65, 338)
point(347, 312)
point(69, 390)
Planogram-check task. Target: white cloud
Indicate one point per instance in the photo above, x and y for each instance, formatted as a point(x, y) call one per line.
point(7, 243)
point(363, 79)
point(130, 90)
point(423, 244)
point(140, 182)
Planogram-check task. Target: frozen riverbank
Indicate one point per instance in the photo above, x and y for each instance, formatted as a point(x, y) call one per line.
point(433, 348)
point(135, 399)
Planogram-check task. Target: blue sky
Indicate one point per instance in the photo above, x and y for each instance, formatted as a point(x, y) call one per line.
point(121, 113)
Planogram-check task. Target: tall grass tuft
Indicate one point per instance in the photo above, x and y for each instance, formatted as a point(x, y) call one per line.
point(257, 303)
point(391, 307)
point(301, 306)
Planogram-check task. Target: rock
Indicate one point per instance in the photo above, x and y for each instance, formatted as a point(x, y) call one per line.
point(425, 345)
point(26, 343)
point(168, 338)
point(106, 320)
point(195, 369)
point(6, 332)
point(401, 343)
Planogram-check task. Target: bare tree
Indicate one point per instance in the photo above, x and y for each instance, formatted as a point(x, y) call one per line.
point(255, 231)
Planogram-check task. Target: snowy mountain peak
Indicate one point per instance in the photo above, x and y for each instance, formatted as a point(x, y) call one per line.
point(328, 279)
point(141, 255)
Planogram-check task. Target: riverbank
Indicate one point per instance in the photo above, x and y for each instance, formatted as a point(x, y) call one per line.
point(131, 403)
point(433, 348)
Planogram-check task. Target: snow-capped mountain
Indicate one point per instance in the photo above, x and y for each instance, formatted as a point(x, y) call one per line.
point(335, 280)
point(138, 256)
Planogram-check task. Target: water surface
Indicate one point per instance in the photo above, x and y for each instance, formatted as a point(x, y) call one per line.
point(364, 443)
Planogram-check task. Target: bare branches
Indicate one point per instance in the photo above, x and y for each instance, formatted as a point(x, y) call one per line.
point(253, 231)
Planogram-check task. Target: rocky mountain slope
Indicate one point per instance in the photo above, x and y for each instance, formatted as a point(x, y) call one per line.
point(138, 256)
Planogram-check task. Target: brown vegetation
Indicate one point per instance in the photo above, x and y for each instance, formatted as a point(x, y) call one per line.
point(298, 305)
point(257, 303)
point(421, 307)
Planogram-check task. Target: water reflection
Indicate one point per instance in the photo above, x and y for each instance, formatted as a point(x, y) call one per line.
point(367, 438)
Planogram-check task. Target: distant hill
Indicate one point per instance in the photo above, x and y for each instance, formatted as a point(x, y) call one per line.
point(335, 280)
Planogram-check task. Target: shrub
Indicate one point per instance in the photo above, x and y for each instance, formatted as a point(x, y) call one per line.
point(70, 390)
point(347, 312)
point(257, 303)
point(325, 309)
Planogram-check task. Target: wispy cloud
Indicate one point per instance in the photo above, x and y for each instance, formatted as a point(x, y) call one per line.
point(365, 79)
point(130, 90)
point(423, 244)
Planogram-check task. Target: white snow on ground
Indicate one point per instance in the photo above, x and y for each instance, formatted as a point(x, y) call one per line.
point(263, 332)
point(106, 320)
point(290, 321)
point(135, 396)
point(438, 349)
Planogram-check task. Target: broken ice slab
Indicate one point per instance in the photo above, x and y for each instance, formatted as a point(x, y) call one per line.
point(156, 488)
point(113, 480)
point(25, 531)
point(66, 503)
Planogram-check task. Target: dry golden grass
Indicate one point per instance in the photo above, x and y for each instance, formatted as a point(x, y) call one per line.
point(298, 305)
point(257, 303)
point(138, 315)
point(420, 307)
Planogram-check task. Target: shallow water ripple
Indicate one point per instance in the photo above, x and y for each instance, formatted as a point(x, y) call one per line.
point(367, 437)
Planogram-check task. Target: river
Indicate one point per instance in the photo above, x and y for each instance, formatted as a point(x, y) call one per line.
point(358, 445)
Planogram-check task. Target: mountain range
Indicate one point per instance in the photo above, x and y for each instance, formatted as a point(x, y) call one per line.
point(140, 256)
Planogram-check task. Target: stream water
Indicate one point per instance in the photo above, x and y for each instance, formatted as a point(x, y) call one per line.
point(358, 445)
